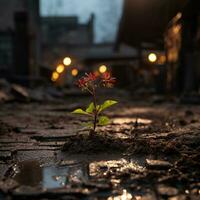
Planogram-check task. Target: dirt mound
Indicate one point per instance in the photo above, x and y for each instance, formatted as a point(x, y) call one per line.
point(95, 143)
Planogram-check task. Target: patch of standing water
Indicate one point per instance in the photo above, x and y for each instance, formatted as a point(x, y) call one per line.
point(30, 173)
point(49, 177)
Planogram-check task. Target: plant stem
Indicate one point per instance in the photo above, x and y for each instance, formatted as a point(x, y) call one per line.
point(95, 109)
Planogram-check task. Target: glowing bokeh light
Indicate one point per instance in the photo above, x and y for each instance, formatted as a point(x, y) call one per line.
point(60, 68)
point(74, 72)
point(152, 57)
point(96, 73)
point(55, 76)
point(102, 69)
point(67, 61)
point(162, 59)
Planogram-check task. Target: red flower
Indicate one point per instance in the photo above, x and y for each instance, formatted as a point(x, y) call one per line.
point(91, 76)
point(108, 80)
point(82, 82)
point(86, 80)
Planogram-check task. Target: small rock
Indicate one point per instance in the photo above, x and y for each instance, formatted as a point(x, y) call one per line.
point(67, 162)
point(179, 197)
point(146, 197)
point(167, 191)
point(19, 92)
point(8, 185)
point(4, 97)
point(158, 164)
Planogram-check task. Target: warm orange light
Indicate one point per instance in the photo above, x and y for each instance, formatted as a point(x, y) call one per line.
point(96, 73)
point(60, 68)
point(55, 76)
point(102, 69)
point(74, 72)
point(67, 61)
point(179, 15)
point(152, 57)
point(162, 59)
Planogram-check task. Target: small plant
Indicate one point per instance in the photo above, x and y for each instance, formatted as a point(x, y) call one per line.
point(90, 83)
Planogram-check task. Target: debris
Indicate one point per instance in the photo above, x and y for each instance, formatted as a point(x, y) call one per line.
point(167, 191)
point(19, 92)
point(158, 164)
point(8, 185)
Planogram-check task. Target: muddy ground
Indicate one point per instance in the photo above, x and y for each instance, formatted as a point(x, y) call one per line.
point(151, 150)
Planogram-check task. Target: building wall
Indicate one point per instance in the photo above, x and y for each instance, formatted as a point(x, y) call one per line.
point(8, 9)
point(64, 36)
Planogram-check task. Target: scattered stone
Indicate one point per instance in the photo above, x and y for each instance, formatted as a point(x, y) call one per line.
point(179, 197)
point(11, 171)
point(146, 197)
point(8, 185)
point(67, 162)
point(4, 97)
point(158, 164)
point(167, 191)
point(19, 92)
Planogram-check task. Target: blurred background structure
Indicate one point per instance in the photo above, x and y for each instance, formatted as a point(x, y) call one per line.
point(148, 44)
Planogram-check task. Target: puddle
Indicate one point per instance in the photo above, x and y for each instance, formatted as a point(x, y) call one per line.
point(30, 173)
point(124, 196)
point(111, 179)
point(49, 177)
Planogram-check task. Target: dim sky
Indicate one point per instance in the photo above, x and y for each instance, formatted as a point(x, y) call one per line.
point(107, 13)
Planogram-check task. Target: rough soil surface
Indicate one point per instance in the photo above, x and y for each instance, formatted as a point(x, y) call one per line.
point(163, 138)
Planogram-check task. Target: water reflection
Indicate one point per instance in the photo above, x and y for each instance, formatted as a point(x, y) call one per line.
point(118, 166)
point(32, 174)
point(125, 196)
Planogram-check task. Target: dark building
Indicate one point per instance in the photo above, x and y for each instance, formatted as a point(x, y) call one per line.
point(64, 36)
point(171, 26)
point(19, 38)
point(183, 49)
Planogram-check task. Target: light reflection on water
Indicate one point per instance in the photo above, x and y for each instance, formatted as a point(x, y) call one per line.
point(32, 174)
point(124, 196)
point(121, 165)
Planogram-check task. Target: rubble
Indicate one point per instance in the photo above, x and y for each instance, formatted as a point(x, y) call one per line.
point(19, 92)
point(163, 157)
point(158, 164)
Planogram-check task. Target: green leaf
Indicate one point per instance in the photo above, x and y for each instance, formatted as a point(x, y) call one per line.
point(80, 111)
point(103, 120)
point(90, 108)
point(107, 104)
